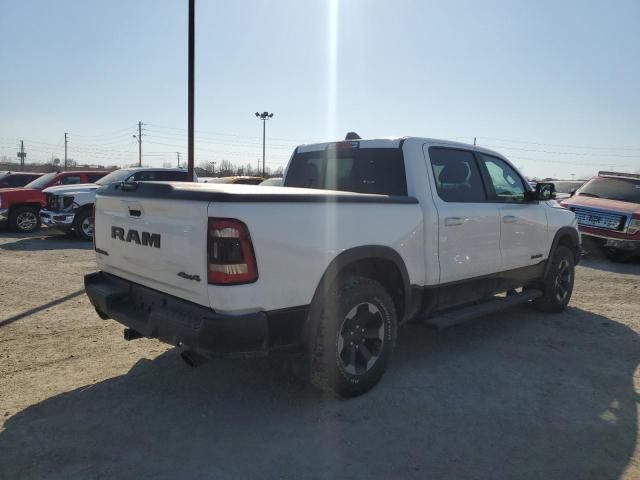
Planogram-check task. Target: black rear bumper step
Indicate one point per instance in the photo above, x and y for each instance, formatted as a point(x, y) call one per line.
point(460, 315)
point(192, 327)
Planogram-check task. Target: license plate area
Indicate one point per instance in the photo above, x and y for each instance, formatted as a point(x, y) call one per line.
point(606, 221)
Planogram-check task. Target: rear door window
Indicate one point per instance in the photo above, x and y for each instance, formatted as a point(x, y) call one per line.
point(456, 175)
point(361, 170)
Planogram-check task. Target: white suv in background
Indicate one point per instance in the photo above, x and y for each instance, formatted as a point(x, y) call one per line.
point(70, 207)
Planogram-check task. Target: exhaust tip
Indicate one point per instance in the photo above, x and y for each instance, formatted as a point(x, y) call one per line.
point(192, 359)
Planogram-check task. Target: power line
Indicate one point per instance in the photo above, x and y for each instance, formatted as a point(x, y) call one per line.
point(560, 145)
point(222, 134)
point(579, 154)
point(22, 155)
point(139, 137)
point(66, 141)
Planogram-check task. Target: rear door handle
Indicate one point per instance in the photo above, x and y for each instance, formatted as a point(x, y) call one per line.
point(509, 219)
point(453, 221)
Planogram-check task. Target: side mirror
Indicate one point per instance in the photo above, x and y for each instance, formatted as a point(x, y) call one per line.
point(572, 192)
point(542, 193)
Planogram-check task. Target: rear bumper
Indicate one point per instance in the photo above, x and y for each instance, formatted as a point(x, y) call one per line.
point(56, 219)
point(187, 325)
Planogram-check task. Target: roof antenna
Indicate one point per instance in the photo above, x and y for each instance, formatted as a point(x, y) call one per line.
point(352, 136)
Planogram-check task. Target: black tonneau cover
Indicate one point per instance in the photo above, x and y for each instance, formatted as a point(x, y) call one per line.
point(210, 192)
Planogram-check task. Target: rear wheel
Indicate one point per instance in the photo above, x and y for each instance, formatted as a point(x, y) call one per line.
point(24, 219)
point(83, 225)
point(557, 284)
point(355, 324)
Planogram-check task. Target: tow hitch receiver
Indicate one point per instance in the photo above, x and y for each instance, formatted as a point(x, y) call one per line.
point(131, 334)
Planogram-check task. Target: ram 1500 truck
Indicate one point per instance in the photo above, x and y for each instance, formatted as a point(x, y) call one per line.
point(364, 236)
point(20, 207)
point(70, 207)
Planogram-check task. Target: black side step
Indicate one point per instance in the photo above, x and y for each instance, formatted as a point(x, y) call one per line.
point(454, 317)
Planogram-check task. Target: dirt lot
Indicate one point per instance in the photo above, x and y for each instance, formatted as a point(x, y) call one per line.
point(518, 395)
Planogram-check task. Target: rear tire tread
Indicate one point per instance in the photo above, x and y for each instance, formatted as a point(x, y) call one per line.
point(325, 370)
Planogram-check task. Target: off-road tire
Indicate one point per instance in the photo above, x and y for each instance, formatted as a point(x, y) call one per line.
point(333, 319)
point(81, 217)
point(557, 284)
point(24, 219)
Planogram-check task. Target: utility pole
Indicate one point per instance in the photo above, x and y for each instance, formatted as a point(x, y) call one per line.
point(178, 153)
point(474, 141)
point(139, 137)
point(66, 141)
point(213, 168)
point(264, 116)
point(190, 86)
point(21, 155)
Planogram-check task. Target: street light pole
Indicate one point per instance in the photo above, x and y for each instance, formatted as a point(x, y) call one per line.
point(190, 87)
point(264, 116)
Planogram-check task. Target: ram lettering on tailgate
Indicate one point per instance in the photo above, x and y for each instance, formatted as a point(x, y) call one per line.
point(146, 239)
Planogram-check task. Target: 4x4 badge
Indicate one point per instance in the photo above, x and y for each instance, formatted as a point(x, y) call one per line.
point(186, 276)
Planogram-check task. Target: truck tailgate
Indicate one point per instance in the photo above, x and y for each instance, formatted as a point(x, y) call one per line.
point(159, 243)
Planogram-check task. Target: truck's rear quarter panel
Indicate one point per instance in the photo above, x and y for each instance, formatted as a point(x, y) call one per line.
point(295, 242)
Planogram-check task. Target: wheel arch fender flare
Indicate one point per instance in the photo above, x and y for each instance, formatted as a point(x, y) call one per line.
point(85, 207)
point(573, 240)
point(363, 253)
point(15, 206)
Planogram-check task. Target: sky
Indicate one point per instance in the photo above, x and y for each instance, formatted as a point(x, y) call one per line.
point(552, 85)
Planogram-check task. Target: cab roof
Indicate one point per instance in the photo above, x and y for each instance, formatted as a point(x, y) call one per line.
point(393, 142)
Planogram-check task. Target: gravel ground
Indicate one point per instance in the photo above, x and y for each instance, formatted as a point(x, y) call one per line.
point(517, 395)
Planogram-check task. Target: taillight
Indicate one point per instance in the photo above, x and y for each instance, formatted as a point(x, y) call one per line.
point(230, 256)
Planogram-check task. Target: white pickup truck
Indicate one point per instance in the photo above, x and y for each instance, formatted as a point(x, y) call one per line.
point(364, 236)
point(70, 207)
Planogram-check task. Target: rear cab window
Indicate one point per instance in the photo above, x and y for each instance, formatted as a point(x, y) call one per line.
point(16, 180)
point(350, 169)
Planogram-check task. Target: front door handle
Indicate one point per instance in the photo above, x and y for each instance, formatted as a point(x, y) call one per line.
point(453, 221)
point(509, 219)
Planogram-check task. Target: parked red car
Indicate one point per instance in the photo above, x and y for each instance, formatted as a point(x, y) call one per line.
point(607, 208)
point(20, 207)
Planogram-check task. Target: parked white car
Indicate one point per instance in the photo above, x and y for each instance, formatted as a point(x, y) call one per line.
point(70, 207)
